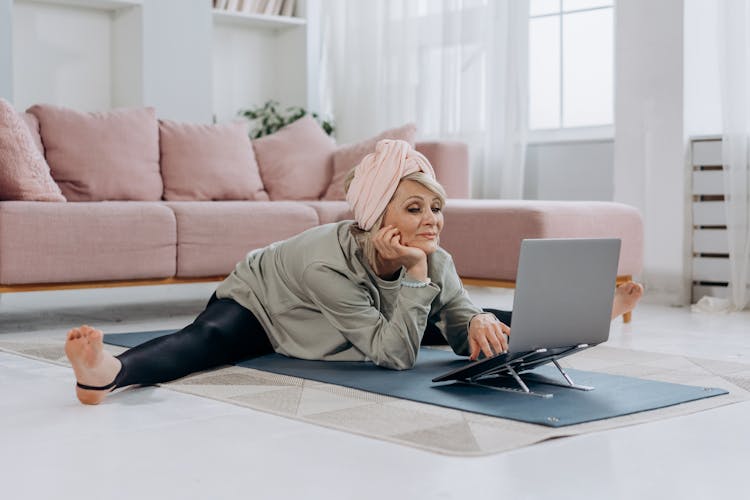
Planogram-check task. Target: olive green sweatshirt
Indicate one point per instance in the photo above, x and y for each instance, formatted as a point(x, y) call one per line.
point(317, 298)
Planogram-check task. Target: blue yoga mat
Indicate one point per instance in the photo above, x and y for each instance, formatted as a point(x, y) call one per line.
point(613, 396)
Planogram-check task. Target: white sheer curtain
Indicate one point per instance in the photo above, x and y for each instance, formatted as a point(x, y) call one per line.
point(457, 68)
point(734, 65)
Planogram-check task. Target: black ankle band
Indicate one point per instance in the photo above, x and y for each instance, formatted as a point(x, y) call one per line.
point(93, 388)
point(111, 385)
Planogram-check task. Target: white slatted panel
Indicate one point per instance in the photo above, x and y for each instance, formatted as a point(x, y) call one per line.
point(708, 182)
point(706, 153)
point(709, 213)
point(712, 291)
point(710, 269)
point(710, 241)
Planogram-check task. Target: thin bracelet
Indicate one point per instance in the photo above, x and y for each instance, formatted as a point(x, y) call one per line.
point(414, 283)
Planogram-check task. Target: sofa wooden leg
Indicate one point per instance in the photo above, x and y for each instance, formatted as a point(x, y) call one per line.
point(628, 316)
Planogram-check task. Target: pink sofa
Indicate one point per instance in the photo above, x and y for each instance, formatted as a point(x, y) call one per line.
point(76, 244)
point(48, 245)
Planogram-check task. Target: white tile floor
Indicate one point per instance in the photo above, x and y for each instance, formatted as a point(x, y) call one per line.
point(156, 443)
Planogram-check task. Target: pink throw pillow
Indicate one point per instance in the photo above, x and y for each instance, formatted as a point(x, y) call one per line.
point(102, 156)
point(24, 175)
point(348, 156)
point(208, 162)
point(33, 125)
point(295, 162)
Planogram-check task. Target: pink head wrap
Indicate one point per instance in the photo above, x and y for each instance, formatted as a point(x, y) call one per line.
point(377, 176)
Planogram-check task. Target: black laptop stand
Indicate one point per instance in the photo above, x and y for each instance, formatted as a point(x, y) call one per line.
point(495, 376)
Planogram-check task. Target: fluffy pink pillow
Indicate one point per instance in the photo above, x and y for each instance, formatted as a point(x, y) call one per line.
point(295, 162)
point(348, 156)
point(208, 162)
point(24, 175)
point(33, 125)
point(102, 156)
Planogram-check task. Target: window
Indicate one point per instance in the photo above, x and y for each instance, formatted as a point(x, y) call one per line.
point(571, 58)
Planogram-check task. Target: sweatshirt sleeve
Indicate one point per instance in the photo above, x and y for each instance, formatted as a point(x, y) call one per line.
point(454, 316)
point(349, 308)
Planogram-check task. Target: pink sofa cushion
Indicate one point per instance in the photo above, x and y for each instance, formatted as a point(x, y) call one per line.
point(348, 156)
point(74, 242)
point(295, 162)
point(331, 211)
point(33, 124)
point(450, 159)
point(215, 235)
point(208, 162)
point(102, 156)
point(502, 224)
point(24, 175)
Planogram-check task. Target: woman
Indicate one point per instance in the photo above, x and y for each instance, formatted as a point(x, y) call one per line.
point(369, 290)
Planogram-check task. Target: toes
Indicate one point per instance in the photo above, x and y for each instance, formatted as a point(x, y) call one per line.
point(96, 335)
point(85, 332)
point(636, 289)
point(80, 332)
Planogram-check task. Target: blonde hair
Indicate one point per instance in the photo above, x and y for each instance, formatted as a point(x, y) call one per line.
point(364, 238)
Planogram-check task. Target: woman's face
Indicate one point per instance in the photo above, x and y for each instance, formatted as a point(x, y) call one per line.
point(418, 215)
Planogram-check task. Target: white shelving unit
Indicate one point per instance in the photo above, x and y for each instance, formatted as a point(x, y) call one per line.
point(85, 54)
point(257, 21)
point(710, 245)
point(107, 5)
point(186, 59)
point(257, 58)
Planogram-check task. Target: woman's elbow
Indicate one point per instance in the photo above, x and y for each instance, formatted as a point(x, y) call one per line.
point(404, 366)
point(399, 363)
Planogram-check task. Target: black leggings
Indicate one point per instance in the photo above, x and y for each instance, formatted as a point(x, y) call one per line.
point(224, 333)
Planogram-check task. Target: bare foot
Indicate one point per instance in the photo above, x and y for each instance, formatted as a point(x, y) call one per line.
point(92, 365)
point(627, 296)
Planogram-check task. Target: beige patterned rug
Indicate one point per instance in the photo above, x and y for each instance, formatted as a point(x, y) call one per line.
point(434, 428)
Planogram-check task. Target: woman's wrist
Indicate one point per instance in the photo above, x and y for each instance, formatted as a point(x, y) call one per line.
point(418, 272)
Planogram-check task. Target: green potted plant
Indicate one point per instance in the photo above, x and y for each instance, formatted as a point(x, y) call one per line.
point(269, 118)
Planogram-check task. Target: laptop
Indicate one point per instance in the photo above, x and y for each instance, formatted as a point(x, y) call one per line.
point(563, 302)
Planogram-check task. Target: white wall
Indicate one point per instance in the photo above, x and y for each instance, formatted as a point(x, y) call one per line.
point(61, 54)
point(127, 57)
point(241, 55)
point(702, 94)
point(650, 145)
point(177, 59)
point(579, 170)
point(6, 49)
point(109, 54)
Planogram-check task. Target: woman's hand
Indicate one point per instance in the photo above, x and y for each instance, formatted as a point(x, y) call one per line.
point(488, 335)
point(392, 254)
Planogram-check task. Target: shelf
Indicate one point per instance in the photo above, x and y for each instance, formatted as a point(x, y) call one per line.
point(117, 53)
point(107, 5)
point(260, 21)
